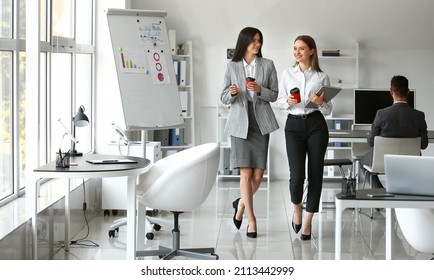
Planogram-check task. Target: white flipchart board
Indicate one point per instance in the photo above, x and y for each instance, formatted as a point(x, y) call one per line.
point(144, 66)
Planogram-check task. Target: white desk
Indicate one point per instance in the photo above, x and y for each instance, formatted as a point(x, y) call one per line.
point(363, 201)
point(114, 192)
point(87, 170)
point(359, 136)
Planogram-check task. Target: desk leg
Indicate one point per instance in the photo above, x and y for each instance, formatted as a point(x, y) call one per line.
point(338, 230)
point(389, 236)
point(131, 218)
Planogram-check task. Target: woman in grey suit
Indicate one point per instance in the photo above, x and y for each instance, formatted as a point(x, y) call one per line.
point(250, 84)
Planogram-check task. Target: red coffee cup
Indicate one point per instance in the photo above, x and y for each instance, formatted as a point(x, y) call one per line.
point(295, 92)
point(249, 80)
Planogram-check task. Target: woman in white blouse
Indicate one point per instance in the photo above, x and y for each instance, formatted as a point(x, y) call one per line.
point(306, 131)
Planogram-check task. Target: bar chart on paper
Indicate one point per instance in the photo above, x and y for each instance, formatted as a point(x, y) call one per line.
point(132, 60)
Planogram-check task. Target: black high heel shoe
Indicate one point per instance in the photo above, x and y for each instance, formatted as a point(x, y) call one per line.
point(306, 236)
point(253, 234)
point(295, 226)
point(235, 205)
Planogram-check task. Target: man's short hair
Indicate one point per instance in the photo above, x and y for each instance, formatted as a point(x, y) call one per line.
point(399, 84)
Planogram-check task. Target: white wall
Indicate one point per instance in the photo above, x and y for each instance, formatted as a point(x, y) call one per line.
point(394, 35)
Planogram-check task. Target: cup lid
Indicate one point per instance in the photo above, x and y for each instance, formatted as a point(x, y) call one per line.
point(294, 90)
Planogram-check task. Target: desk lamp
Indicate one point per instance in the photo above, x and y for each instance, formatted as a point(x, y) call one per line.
point(79, 120)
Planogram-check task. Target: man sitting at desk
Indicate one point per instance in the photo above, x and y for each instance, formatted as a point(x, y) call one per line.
point(398, 120)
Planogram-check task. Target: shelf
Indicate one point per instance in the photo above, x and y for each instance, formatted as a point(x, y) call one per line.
point(338, 148)
point(349, 57)
point(182, 147)
point(181, 56)
point(343, 72)
point(346, 117)
point(186, 91)
point(345, 86)
point(220, 175)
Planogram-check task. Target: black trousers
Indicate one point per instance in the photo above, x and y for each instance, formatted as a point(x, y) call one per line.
point(306, 136)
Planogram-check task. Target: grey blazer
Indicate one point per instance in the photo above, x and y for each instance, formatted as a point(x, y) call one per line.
point(266, 76)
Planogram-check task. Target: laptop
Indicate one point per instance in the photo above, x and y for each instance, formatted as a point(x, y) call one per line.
point(410, 175)
point(110, 161)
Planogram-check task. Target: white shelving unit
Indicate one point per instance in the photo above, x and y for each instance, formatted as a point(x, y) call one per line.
point(225, 146)
point(343, 71)
point(186, 91)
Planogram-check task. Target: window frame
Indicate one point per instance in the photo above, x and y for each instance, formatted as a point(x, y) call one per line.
point(40, 61)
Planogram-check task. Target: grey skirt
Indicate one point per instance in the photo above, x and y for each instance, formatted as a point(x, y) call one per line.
point(251, 152)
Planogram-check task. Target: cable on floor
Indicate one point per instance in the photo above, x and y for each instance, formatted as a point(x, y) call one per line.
point(82, 241)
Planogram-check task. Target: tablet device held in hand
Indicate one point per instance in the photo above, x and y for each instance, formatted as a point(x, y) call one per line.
point(329, 93)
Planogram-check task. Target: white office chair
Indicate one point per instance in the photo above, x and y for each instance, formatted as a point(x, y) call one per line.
point(392, 146)
point(179, 183)
point(417, 226)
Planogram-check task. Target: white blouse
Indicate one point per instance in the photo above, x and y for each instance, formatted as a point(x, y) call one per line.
point(309, 81)
point(250, 72)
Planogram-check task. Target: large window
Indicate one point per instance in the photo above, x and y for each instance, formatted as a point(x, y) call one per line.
point(6, 98)
point(5, 132)
point(65, 79)
point(6, 19)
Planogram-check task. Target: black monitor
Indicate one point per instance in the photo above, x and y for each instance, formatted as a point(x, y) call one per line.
point(368, 101)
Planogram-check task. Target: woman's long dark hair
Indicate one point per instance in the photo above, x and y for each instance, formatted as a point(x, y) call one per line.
point(244, 39)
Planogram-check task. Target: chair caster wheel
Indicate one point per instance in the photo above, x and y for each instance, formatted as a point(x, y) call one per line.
point(157, 227)
point(111, 233)
point(149, 236)
point(106, 213)
point(216, 256)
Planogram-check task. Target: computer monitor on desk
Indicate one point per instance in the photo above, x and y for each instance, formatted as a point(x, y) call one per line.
point(368, 101)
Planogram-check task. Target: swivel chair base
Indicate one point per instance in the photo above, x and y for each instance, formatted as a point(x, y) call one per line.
point(151, 224)
point(168, 253)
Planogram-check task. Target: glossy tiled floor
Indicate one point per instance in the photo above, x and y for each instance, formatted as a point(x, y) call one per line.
point(211, 226)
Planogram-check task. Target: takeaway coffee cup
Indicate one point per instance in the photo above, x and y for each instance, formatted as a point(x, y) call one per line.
point(295, 92)
point(249, 80)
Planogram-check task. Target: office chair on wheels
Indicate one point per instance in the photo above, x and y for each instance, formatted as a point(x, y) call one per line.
point(180, 183)
point(392, 146)
point(151, 224)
